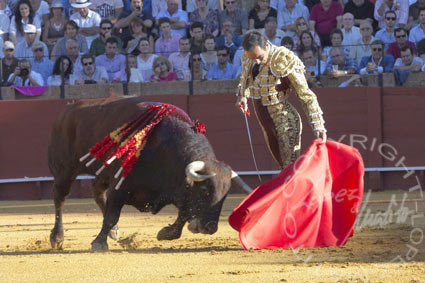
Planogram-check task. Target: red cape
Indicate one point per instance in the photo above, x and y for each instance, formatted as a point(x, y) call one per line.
point(312, 203)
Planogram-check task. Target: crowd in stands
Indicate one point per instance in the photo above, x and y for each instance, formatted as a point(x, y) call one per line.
point(56, 42)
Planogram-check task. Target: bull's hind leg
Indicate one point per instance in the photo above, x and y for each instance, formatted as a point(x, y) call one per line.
point(99, 189)
point(174, 231)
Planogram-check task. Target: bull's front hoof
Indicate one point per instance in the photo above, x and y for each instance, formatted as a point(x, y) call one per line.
point(56, 241)
point(99, 247)
point(114, 233)
point(169, 233)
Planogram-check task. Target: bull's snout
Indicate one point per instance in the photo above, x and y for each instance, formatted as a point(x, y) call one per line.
point(196, 227)
point(210, 228)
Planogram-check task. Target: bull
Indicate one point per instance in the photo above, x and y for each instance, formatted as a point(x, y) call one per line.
point(177, 166)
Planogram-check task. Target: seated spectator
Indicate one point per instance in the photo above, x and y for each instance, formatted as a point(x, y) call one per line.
point(71, 33)
point(362, 47)
point(192, 5)
point(168, 42)
point(207, 16)
point(300, 26)
point(162, 70)
point(406, 64)
point(271, 32)
point(9, 62)
point(310, 3)
point(237, 60)
point(87, 20)
point(133, 73)
point(91, 72)
point(54, 27)
point(306, 41)
point(160, 5)
point(421, 49)
point(98, 45)
point(386, 34)
point(41, 10)
point(414, 14)
point(350, 33)
point(229, 39)
point(197, 40)
point(325, 17)
point(6, 8)
point(223, 69)
point(40, 63)
point(209, 54)
point(24, 48)
point(24, 15)
point(361, 10)
point(377, 63)
point(288, 14)
point(108, 9)
point(145, 58)
point(336, 40)
point(238, 16)
point(24, 76)
point(137, 31)
point(400, 41)
point(401, 7)
point(197, 73)
point(340, 65)
point(113, 62)
point(4, 20)
point(417, 33)
point(313, 65)
point(62, 72)
point(72, 51)
point(288, 42)
point(178, 18)
point(180, 60)
point(258, 15)
point(135, 12)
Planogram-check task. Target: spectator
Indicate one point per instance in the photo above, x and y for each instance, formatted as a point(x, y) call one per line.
point(223, 69)
point(9, 62)
point(377, 63)
point(421, 49)
point(91, 73)
point(350, 33)
point(192, 5)
point(197, 33)
point(237, 60)
point(300, 26)
point(400, 41)
point(4, 20)
point(340, 65)
point(310, 3)
point(258, 15)
point(271, 32)
point(417, 33)
point(24, 15)
point(73, 53)
point(168, 42)
point(229, 39)
point(162, 70)
point(98, 45)
point(207, 16)
point(238, 16)
point(406, 64)
point(113, 62)
point(325, 17)
point(41, 64)
point(87, 20)
point(387, 34)
point(401, 7)
point(313, 65)
point(361, 10)
point(41, 10)
point(336, 40)
point(62, 72)
point(288, 42)
point(180, 60)
point(160, 5)
point(178, 18)
point(287, 16)
point(362, 47)
point(24, 48)
point(108, 9)
point(145, 58)
point(71, 33)
point(306, 42)
point(5, 9)
point(54, 27)
point(414, 14)
point(24, 76)
point(209, 54)
point(135, 12)
point(133, 73)
point(136, 33)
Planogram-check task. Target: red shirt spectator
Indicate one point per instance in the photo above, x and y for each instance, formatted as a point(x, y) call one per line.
point(324, 17)
point(394, 49)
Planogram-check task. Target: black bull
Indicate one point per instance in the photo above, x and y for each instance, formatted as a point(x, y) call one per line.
point(177, 166)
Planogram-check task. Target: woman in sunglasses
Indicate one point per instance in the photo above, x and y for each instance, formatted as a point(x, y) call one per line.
point(301, 25)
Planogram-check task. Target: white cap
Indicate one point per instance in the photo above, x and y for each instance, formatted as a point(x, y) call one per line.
point(30, 28)
point(81, 4)
point(8, 45)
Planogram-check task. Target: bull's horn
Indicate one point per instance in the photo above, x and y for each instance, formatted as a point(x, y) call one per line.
point(240, 182)
point(192, 169)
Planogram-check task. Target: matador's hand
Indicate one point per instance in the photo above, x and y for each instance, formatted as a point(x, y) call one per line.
point(242, 104)
point(321, 134)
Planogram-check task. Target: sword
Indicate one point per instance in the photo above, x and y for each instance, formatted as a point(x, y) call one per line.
point(250, 143)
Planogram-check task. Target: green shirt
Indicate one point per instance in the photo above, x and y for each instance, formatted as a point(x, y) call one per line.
point(97, 47)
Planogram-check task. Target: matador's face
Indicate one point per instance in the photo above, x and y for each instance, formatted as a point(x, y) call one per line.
point(258, 54)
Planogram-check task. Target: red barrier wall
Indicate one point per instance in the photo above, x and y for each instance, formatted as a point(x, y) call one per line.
point(383, 123)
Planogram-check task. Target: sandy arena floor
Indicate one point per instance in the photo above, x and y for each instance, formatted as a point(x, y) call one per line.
point(392, 249)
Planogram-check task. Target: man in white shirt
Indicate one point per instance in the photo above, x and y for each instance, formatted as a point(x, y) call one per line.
point(271, 32)
point(180, 60)
point(178, 18)
point(350, 32)
point(24, 76)
point(24, 48)
point(406, 64)
point(401, 7)
point(87, 20)
point(362, 47)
